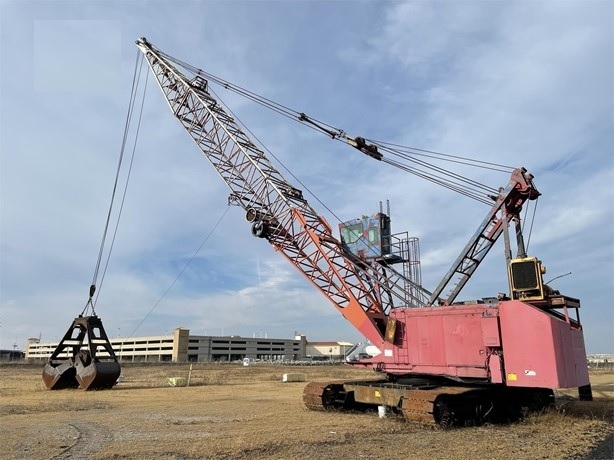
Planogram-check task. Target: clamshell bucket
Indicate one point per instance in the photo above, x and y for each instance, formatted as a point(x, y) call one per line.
point(79, 363)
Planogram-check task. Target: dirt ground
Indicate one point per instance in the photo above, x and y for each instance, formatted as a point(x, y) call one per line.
point(236, 412)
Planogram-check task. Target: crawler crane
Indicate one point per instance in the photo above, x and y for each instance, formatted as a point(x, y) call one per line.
point(441, 361)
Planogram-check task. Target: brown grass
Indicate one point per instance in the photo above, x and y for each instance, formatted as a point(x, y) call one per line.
point(235, 412)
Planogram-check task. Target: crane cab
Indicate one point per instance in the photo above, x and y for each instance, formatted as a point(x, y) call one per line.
point(367, 237)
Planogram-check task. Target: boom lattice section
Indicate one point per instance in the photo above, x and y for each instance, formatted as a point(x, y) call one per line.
point(280, 213)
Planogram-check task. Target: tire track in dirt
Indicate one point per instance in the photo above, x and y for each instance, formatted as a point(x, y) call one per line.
point(91, 437)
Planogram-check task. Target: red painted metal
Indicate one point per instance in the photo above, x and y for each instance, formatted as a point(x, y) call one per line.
point(490, 331)
point(541, 349)
point(495, 366)
point(443, 341)
point(511, 342)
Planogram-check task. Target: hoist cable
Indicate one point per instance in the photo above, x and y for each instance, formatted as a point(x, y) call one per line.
point(275, 106)
point(136, 136)
point(458, 188)
point(446, 172)
point(293, 114)
point(186, 265)
point(338, 133)
point(121, 155)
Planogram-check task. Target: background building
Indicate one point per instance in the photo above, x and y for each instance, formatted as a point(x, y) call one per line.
point(11, 355)
point(600, 361)
point(183, 347)
point(327, 350)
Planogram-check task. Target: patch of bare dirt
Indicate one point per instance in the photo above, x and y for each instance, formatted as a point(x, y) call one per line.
point(237, 412)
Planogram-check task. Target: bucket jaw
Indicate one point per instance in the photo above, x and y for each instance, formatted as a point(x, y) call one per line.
point(84, 358)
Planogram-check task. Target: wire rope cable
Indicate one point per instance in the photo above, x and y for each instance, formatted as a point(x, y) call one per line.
point(531, 226)
point(452, 158)
point(440, 176)
point(305, 187)
point(129, 116)
point(186, 265)
point(138, 128)
point(89, 303)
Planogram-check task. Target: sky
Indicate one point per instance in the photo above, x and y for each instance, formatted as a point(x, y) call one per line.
point(516, 83)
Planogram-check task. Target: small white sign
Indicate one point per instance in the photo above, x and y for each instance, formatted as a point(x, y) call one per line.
point(387, 352)
point(530, 372)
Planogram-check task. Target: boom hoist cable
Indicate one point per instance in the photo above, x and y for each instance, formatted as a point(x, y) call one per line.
point(505, 202)
point(373, 148)
point(85, 358)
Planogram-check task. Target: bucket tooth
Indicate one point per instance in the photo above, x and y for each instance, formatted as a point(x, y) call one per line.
point(84, 358)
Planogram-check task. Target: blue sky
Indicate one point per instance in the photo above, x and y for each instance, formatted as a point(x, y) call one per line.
point(518, 83)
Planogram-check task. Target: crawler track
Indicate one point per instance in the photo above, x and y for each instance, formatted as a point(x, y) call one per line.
point(324, 395)
point(446, 406)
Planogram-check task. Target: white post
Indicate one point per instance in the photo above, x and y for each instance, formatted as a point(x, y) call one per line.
point(189, 375)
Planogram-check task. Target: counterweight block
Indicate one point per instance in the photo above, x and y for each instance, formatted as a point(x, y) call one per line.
point(83, 359)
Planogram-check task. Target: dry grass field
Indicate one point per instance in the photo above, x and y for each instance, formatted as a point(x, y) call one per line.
point(236, 412)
